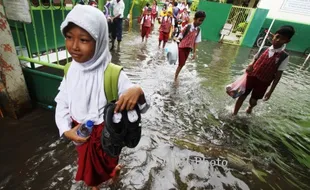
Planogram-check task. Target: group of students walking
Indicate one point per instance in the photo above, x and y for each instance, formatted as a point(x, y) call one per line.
point(82, 95)
point(175, 24)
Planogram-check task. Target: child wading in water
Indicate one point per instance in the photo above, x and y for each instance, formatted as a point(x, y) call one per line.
point(267, 68)
point(146, 25)
point(81, 94)
point(166, 25)
point(190, 36)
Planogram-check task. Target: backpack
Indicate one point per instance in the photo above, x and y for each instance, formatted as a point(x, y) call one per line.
point(282, 57)
point(187, 29)
point(111, 75)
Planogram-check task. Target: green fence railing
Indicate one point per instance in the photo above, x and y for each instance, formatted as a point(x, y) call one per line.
point(41, 41)
point(41, 46)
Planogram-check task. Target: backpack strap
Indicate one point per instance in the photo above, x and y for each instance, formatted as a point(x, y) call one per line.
point(66, 68)
point(111, 75)
point(186, 31)
point(188, 28)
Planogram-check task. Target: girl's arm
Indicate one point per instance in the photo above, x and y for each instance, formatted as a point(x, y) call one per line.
point(62, 116)
point(129, 94)
point(197, 40)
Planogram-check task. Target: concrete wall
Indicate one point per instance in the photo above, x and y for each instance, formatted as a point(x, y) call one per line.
point(275, 12)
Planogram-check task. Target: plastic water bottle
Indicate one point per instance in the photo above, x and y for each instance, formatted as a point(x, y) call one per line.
point(85, 130)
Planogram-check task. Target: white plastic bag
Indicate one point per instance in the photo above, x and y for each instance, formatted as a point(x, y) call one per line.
point(238, 87)
point(172, 52)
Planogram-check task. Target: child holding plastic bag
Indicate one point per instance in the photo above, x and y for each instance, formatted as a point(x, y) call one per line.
point(266, 70)
point(237, 88)
point(172, 53)
point(190, 38)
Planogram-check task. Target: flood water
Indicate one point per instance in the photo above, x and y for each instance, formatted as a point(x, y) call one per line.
point(190, 140)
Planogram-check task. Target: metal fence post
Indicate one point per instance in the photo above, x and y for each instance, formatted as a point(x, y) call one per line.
point(101, 4)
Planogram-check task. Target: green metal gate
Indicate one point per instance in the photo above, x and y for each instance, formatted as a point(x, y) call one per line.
point(237, 24)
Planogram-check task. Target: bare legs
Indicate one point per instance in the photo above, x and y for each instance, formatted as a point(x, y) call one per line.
point(117, 174)
point(164, 44)
point(114, 179)
point(177, 72)
point(252, 104)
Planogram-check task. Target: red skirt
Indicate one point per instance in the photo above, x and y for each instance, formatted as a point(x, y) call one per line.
point(145, 31)
point(94, 165)
point(154, 16)
point(183, 55)
point(163, 36)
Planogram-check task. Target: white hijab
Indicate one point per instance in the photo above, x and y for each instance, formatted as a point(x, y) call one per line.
point(84, 81)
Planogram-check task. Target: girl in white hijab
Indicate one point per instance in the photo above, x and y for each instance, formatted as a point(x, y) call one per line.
point(81, 94)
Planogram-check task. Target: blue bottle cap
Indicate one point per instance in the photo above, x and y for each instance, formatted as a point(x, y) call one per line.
point(89, 123)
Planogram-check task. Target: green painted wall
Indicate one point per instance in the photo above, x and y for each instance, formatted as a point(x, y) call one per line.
point(217, 14)
point(255, 26)
point(301, 39)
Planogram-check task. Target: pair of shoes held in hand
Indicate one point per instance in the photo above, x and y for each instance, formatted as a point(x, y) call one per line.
point(120, 129)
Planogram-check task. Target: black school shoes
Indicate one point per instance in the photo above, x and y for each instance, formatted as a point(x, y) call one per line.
point(120, 129)
point(133, 135)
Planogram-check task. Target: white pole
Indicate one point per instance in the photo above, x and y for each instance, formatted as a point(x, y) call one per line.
point(307, 59)
point(261, 47)
point(274, 18)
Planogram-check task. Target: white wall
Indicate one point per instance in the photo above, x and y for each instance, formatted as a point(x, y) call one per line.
point(274, 6)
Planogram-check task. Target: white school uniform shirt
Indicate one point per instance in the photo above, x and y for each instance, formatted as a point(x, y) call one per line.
point(65, 111)
point(147, 16)
point(156, 8)
point(272, 51)
point(118, 8)
point(198, 38)
point(166, 17)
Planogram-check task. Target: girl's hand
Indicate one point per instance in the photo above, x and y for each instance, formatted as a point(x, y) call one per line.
point(129, 99)
point(72, 135)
